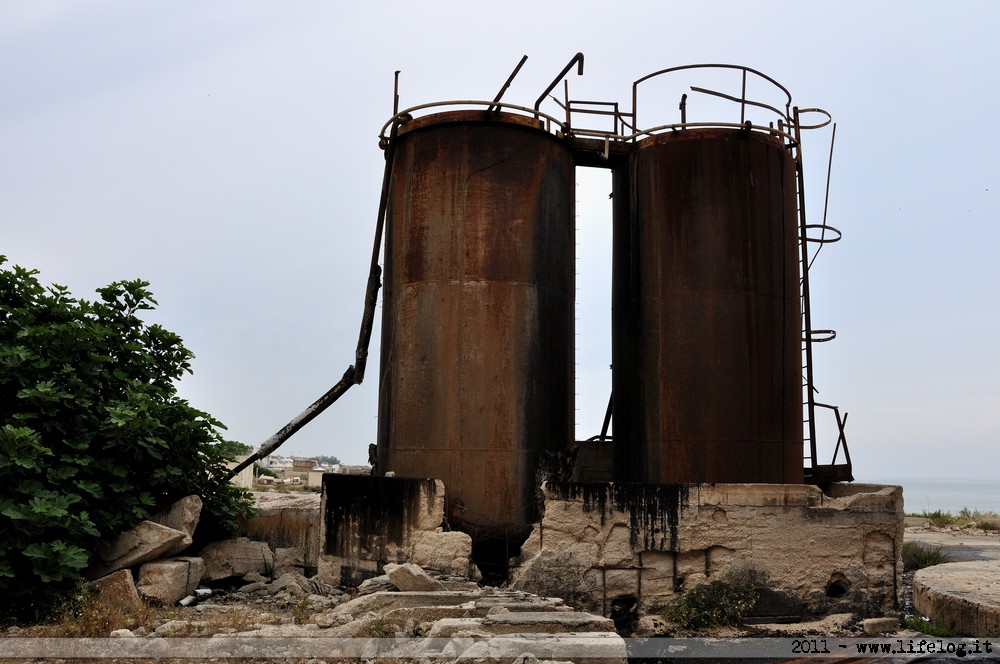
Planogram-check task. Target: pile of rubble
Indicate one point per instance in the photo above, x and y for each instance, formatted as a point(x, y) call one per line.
point(238, 589)
point(146, 561)
point(407, 609)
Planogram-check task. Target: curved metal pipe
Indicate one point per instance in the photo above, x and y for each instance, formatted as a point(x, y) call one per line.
point(578, 61)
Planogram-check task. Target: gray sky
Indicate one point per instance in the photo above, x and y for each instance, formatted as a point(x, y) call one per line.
point(227, 153)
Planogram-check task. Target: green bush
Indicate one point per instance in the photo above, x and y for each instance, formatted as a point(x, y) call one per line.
point(725, 601)
point(918, 556)
point(93, 437)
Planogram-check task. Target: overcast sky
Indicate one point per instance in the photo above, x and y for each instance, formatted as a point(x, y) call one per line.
point(227, 153)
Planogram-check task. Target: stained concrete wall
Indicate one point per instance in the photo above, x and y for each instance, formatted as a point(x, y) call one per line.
point(599, 545)
point(368, 521)
point(602, 544)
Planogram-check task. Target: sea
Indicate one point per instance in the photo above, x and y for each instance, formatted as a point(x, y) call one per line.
point(923, 495)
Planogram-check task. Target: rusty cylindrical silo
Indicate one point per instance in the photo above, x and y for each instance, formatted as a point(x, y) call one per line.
point(477, 327)
point(706, 327)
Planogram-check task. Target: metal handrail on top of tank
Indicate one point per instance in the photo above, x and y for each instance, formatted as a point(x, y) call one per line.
point(786, 116)
point(626, 138)
point(550, 121)
point(407, 114)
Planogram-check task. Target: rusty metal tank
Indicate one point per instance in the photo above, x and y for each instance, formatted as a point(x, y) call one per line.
point(706, 328)
point(477, 328)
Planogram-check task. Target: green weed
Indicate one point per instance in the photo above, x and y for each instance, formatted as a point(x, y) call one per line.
point(918, 623)
point(917, 555)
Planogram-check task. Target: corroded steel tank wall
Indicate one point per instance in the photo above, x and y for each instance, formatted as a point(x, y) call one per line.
point(706, 329)
point(477, 327)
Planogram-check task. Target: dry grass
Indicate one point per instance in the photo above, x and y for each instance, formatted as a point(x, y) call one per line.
point(85, 615)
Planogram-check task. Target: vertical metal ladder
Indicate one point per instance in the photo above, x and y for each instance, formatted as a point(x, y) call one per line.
point(814, 471)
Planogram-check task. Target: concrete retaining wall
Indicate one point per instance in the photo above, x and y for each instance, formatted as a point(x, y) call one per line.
point(600, 544)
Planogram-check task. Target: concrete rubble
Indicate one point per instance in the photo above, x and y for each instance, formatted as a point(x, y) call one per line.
point(463, 623)
point(144, 542)
point(182, 516)
point(118, 590)
point(237, 557)
point(411, 577)
point(509, 624)
point(169, 581)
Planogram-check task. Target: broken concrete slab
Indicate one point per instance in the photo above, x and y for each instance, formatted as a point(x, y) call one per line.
point(531, 622)
point(514, 600)
point(876, 626)
point(411, 577)
point(144, 542)
point(447, 551)
point(965, 596)
point(183, 515)
point(117, 590)
point(168, 581)
point(382, 601)
point(237, 557)
point(594, 648)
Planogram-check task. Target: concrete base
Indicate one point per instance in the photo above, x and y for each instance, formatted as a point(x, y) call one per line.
point(605, 546)
point(611, 548)
point(964, 596)
point(367, 522)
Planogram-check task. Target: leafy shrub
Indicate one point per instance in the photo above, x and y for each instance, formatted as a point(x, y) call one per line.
point(93, 437)
point(918, 556)
point(725, 601)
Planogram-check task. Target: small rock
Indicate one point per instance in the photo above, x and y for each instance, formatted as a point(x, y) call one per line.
point(172, 628)
point(252, 587)
point(650, 625)
point(375, 584)
point(329, 619)
point(410, 577)
point(122, 634)
point(876, 626)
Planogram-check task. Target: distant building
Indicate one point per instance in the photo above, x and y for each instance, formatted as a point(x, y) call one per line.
point(304, 465)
